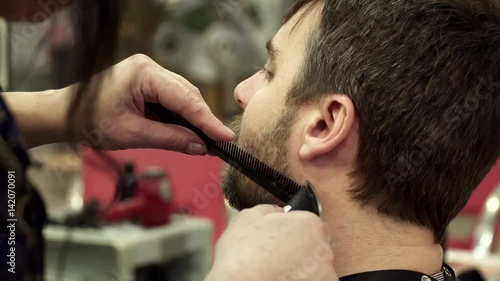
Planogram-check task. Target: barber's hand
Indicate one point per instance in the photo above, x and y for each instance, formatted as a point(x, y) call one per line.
point(264, 243)
point(119, 122)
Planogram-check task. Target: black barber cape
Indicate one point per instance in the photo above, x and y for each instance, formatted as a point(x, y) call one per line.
point(446, 274)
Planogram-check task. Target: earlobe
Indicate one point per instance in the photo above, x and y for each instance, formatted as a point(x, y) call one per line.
point(328, 126)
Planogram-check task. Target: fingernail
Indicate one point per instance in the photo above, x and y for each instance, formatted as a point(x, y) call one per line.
point(196, 149)
point(230, 132)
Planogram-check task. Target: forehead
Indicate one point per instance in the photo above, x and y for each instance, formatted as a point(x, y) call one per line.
point(298, 29)
point(290, 44)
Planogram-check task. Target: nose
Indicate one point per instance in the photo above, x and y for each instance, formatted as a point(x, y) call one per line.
point(246, 89)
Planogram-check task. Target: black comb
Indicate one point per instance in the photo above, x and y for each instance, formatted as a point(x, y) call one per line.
point(274, 182)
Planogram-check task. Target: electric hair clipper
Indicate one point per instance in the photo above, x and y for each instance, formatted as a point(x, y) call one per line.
point(306, 199)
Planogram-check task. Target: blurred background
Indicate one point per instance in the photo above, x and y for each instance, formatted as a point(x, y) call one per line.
point(214, 44)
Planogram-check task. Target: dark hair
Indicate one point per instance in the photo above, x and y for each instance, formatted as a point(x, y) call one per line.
point(96, 24)
point(96, 27)
point(424, 77)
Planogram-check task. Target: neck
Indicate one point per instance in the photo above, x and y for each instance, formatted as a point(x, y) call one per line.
point(363, 240)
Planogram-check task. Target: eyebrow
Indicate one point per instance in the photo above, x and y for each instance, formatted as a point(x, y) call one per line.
point(271, 50)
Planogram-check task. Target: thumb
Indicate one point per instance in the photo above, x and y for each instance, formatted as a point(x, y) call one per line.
point(153, 134)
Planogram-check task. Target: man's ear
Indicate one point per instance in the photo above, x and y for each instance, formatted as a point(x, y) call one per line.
point(329, 125)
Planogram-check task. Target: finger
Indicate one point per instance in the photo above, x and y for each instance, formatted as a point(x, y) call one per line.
point(310, 219)
point(185, 82)
point(265, 209)
point(257, 212)
point(151, 134)
point(249, 216)
point(181, 99)
point(179, 78)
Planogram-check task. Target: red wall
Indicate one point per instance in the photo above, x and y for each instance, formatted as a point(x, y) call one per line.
point(194, 180)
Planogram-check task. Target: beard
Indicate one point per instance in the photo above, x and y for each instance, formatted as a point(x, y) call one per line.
point(268, 146)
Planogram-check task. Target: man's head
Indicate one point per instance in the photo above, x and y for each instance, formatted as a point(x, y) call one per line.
point(397, 99)
point(264, 130)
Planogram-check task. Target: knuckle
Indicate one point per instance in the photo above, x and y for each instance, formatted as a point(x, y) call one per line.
point(245, 213)
point(321, 229)
point(147, 80)
point(141, 60)
point(191, 104)
point(194, 90)
point(193, 97)
point(329, 258)
point(254, 212)
point(266, 209)
point(311, 221)
point(194, 105)
point(197, 110)
point(173, 142)
point(307, 217)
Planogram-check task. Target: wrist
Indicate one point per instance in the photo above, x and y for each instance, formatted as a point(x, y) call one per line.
point(58, 121)
point(40, 116)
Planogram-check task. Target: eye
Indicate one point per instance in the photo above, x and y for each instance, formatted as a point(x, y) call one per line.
point(269, 75)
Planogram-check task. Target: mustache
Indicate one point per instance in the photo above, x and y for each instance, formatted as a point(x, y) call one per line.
point(235, 125)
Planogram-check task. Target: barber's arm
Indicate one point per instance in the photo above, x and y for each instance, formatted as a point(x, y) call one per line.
point(39, 115)
point(264, 243)
point(118, 111)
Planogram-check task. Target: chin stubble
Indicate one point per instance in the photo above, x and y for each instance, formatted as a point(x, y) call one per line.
point(269, 147)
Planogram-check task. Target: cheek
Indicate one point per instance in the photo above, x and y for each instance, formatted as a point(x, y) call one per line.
point(260, 113)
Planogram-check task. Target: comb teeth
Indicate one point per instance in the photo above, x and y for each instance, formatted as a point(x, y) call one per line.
point(274, 182)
